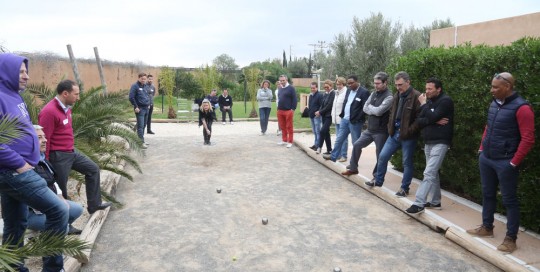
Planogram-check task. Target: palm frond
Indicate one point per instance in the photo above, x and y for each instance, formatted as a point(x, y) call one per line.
point(47, 244)
point(10, 129)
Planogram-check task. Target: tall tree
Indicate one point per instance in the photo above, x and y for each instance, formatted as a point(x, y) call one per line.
point(187, 86)
point(208, 77)
point(374, 46)
point(284, 59)
point(412, 39)
point(167, 82)
point(224, 62)
point(437, 24)
point(252, 77)
point(298, 67)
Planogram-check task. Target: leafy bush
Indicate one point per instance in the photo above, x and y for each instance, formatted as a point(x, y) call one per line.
point(466, 73)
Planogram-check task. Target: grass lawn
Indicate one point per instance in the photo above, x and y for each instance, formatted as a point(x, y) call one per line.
point(239, 111)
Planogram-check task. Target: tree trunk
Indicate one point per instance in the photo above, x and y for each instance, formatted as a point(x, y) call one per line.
point(253, 113)
point(171, 114)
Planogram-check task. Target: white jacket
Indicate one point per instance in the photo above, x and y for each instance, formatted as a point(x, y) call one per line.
point(338, 105)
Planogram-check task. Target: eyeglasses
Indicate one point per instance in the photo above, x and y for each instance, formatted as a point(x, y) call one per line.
point(499, 76)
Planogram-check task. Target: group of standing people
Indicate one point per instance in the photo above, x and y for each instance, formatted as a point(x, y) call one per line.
point(141, 96)
point(396, 121)
point(34, 168)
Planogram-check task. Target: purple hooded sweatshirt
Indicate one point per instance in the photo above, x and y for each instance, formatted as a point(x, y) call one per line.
point(26, 148)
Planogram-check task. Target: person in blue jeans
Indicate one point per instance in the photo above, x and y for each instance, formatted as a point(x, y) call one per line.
point(20, 185)
point(139, 98)
point(314, 104)
point(352, 116)
point(401, 133)
point(37, 219)
point(264, 97)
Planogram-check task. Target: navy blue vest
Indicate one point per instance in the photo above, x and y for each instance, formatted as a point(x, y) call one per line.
point(502, 134)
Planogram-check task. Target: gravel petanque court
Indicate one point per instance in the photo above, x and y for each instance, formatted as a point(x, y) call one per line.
point(175, 220)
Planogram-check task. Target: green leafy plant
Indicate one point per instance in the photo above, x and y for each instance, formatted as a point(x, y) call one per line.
point(167, 84)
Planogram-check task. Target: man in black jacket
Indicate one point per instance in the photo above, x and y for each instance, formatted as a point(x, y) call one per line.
point(352, 116)
point(436, 119)
point(225, 105)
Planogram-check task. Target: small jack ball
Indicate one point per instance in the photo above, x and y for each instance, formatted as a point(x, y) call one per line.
point(337, 269)
point(265, 220)
point(218, 190)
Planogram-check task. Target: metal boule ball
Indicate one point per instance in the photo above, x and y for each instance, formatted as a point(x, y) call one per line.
point(264, 220)
point(218, 190)
point(337, 269)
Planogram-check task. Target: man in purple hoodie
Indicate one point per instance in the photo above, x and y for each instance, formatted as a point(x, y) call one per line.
point(20, 185)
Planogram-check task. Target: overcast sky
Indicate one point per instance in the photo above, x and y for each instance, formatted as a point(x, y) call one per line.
point(192, 33)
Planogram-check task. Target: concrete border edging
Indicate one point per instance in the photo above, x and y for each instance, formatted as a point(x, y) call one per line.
point(451, 232)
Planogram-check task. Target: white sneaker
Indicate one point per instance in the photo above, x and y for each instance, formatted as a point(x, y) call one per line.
point(232, 123)
point(318, 150)
point(289, 145)
point(278, 132)
point(262, 134)
point(282, 143)
point(224, 123)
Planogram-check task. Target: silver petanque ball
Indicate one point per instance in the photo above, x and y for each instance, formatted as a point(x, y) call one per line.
point(264, 220)
point(218, 190)
point(337, 269)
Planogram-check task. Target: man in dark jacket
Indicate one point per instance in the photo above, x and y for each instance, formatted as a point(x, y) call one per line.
point(508, 137)
point(377, 108)
point(352, 116)
point(225, 105)
point(436, 119)
point(325, 112)
point(314, 103)
point(402, 133)
point(139, 98)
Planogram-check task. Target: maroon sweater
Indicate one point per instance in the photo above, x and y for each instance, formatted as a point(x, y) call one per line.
point(57, 126)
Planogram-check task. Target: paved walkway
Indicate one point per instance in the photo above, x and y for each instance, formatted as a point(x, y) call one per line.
point(174, 220)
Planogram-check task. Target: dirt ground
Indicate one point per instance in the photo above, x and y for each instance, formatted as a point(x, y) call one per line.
point(174, 220)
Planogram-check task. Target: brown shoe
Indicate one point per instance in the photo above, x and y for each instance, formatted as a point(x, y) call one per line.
point(508, 245)
point(481, 231)
point(349, 172)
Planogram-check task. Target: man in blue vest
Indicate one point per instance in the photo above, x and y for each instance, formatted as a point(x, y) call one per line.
point(508, 137)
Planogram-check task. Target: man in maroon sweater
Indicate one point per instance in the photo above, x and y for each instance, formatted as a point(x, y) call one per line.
point(55, 118)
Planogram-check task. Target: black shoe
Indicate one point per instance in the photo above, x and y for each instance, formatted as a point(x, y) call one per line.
point(372, 183)
point(101, 206)
point(314, 148)
point(150, 132)
point(402, 193)
point(73, 230)
point(415, 209)
point(433, 206)
point(348, 167)
point(327, 153)
point(327, 156)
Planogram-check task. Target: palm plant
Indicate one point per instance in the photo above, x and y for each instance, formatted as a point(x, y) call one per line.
point(45, 244)
point(100, 126)
point(252, 77)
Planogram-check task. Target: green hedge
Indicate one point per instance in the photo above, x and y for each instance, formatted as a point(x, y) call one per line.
point(466, 73)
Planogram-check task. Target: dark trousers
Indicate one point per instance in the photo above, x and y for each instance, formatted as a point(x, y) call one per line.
point(142, 117)
point(224, 112)
point(149, 119)
point(325, 134)
point(64, 162)
point(264, 114)
point(499, 174)
point(205, 134)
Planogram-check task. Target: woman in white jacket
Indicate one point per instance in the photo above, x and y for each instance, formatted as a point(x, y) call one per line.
point(341, 91)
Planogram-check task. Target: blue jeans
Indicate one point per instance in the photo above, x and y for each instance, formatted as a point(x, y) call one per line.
point(264, 115)
point(142, 117)
point(390, 147)
point(345, 127)
point(499, 173)
point(37, 221)
point(431, 183)
point(344, 145)
point(18, 191)
point(316, 128)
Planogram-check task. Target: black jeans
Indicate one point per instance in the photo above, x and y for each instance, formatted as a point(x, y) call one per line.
point(205, 134)
point(224, 112)
point(63, 162)
point(149, 119)
point(325, 133)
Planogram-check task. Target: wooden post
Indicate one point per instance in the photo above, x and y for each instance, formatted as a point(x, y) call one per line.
point(75, 69)
point(100, 68)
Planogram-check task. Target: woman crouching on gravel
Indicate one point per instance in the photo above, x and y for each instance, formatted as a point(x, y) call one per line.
point(206, 117)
